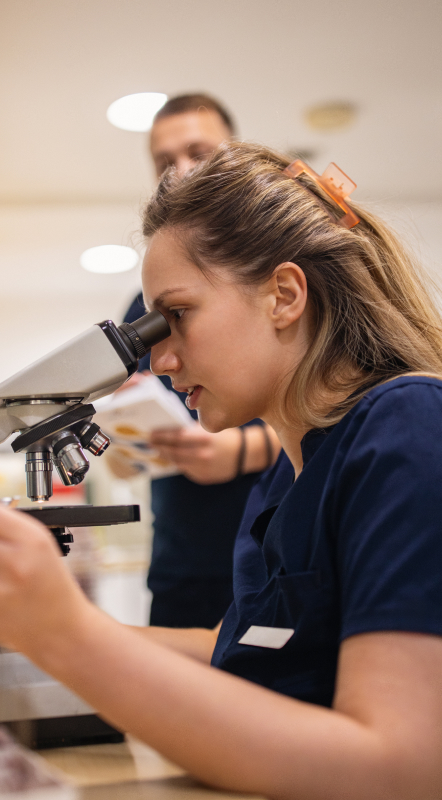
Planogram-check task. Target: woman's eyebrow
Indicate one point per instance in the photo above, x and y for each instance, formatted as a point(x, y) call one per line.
point(159, 302)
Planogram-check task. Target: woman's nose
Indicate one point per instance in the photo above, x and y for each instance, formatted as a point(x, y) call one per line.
point(183, 163)
point(163, 359)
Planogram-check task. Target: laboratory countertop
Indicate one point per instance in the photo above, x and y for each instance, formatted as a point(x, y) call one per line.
point(129, 771)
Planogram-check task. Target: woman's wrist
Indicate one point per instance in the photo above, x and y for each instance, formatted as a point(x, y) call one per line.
point(61, 640)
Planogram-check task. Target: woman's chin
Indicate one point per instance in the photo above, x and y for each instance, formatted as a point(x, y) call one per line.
point(216, 420)
point(211, 427)
point(213, 421)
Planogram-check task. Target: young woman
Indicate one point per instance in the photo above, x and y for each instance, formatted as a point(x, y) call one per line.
point(329, 662)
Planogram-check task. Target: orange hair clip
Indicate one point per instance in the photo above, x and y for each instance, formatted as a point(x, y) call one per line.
point(334, 182)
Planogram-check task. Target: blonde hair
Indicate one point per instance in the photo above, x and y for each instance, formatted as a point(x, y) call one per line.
point(374, 318)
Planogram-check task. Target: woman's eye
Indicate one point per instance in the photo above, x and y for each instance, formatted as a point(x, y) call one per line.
point(177, 313)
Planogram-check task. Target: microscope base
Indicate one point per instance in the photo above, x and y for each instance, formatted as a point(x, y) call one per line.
point(42, 713)
point(48, 734)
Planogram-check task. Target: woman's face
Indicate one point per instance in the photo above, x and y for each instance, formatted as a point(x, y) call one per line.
point(224, 349)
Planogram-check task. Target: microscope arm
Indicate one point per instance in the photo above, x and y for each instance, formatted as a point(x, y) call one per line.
point(49, 402)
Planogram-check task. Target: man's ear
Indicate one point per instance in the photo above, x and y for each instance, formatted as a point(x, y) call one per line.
point(289, 294)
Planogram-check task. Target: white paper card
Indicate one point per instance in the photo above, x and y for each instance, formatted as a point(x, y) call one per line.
point(130, 416)
point(260, 636)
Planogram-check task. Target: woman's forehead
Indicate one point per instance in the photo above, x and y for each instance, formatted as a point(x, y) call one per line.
point(164, 243)
point(167, 265)
point(167, 271)
point(166, 254)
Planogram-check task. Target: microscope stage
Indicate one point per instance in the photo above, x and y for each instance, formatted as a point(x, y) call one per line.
point(83, 516)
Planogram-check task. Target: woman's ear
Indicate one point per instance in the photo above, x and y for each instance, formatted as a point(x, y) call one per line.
point(289, 294)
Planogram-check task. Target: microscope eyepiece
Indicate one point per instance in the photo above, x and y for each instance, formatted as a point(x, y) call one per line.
point(146, 331)
point(132, 341)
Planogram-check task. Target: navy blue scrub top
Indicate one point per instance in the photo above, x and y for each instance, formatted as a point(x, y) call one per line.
point(195, 525)
point(354, 545)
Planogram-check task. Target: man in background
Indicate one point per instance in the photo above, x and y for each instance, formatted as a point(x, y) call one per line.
point(196, 513)
point(187, 129)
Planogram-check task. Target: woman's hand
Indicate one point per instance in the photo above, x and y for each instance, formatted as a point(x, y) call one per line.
point(214, 457)
point(201, 456)
point(38, 597)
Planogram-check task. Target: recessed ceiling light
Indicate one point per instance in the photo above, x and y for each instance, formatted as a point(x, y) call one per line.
point(109, 258)
point(330, 116)
point(135, 112)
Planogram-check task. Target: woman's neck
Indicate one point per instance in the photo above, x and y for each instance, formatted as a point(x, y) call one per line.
point(290, 438)
point(291, 434)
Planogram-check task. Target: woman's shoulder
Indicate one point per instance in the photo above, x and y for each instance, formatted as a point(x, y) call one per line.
point(403, 412)
point(411, 389)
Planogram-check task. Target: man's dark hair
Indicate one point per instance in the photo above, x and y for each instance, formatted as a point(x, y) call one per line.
point(193, 102)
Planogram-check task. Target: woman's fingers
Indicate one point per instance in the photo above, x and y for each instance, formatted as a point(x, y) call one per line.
point(36, 590)
point(181, 456)
point(177, 437)
point(17, 527)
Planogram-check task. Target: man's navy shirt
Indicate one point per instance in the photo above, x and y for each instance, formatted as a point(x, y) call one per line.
point(195, 525)
point(353, 546)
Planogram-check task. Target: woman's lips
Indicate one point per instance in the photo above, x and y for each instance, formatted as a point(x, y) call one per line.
point(192, 398)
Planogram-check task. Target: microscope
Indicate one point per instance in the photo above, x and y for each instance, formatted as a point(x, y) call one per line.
point(50, 405)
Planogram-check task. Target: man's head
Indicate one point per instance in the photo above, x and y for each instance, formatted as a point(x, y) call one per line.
point(186, 129)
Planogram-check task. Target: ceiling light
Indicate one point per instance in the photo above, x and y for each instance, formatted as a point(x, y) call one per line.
point(109, 258)
point(135, 112)
point(330, 116)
